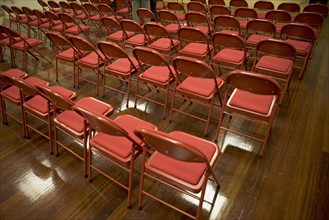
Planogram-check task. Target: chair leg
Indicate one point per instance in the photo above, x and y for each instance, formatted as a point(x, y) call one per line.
point(141, 182)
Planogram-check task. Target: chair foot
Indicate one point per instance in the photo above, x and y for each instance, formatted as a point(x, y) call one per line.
point(51, 153)
point(259, 156)
point(5, 123)
point(57, 155)
point(129, 206)
point(139, 207)
point(85, 176)
point(90, 180)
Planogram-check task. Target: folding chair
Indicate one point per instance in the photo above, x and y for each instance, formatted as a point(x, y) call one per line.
point(139, 37)
point(15, 96)
point(107, 11)
point(178, 9)
point(318, 8)
point(123, 8)
point(37, 106)
point(244, 15)
point(313, 19)
point(116, 142)
point(44, 23)
point(118, 64)
point(201, 86)
point(145, 15)
point(227, 24)
point(69, 122)
point(56, 24)
point(292, 8)
point(170, 21)
point(154, 70)
point(34, 22)
point(235, 4)
point(253, 97)
point(21, 18)
point(199, 7)
point(11, 16)
point(258, 30)
point(199, 21)
point(25, 45)
point(216, 2)
point(44, 5)
point(303, 38)
point(9, 92)
point(92, 59)
point(276, 58)
point(279, 18)
point(216, 10)
point(163, 41)
point(55, 7)
point(67, 8)
point(194, 43)
point(181, 161)
point(229, 52)
point(76, 29)
point(115, 32)
point(94, 16)
point(262, 7)
point(80, 12)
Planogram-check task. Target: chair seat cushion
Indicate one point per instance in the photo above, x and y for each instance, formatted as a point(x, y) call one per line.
point(37, 104)
point(138, 39)
point(197, 49)
point(276, 64)
point(230, 32)
point(77, 29)
point(158, 74)
point(94, 105)
point(30, 42)
point(119, 145)
point(229, 55)
point(92, 59)
point(164, 44)
point(122, 66)
point(67, 54)
point(255, 38)
point(35, 80)
point(200, 86)
point(72, 121)
point(17, 73)
point(12, 93)
point(302, 47)
point(189, 172)
point(64, 92)
point(251, 102)
point(172, 28)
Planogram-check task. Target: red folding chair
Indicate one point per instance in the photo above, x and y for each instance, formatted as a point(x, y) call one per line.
point(154, 71)
point(252, 97)
point(163, 42)
point(292, 8)
point(116, 142)
point(244, 15)
point(178, 9)
point(199, 21)
point(318, 8)
point(114, 31)
point(216, 10)
point(200, 86)
point(229, 52)
point(279, 18)
point(92, 60)
point(72, 124)
point(170, 21)
point(181, 161)
point(75, 29)
point(277, 59)
point(118, 64)
point(25, 45)
point(11, 16)
point(262, 7)
point(145, 15)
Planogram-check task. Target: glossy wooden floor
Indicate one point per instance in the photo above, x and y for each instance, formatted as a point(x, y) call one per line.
point(290, 182)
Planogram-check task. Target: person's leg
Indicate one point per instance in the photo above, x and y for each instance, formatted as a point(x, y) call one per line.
point(154, 7)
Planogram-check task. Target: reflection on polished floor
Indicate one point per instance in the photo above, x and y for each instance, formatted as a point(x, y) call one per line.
point(290, 182)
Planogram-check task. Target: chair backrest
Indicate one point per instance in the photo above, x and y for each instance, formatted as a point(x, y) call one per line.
point(8, 10)
point(91, 9)
point(278, 16)
point(145, 13)
point(277, 48)
point(59, 101)
point(193, 67)
point(105, 10)
point(226, 22)
point(59, 41)
point(52, 17)
point(66, 18)
point(130, 25)
point(54, 5)
point(319, 8)
point(216, 10)
point(66, 7)
point(313, 19)
point(112, 50)
point(298, 31)
point(175, 6)
point(44, 5)
point(228, 40)
point(154, 29)
point(289, 7)
point(238, 3)
point(83, 45)
point(260, 26)
point(40, 15)
point(196, 18)
point(149, 56)
point(245, 13)
point(167, 145)
point(111, 24)
point(103, 124)
point(216, 2)
point(253, 82)
point(24, 87)
point(13, 35)
point(192, 34)
point(166, 16)
point(263, 5)
point(77, 8)
point(28, 12)
point(194, 6)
